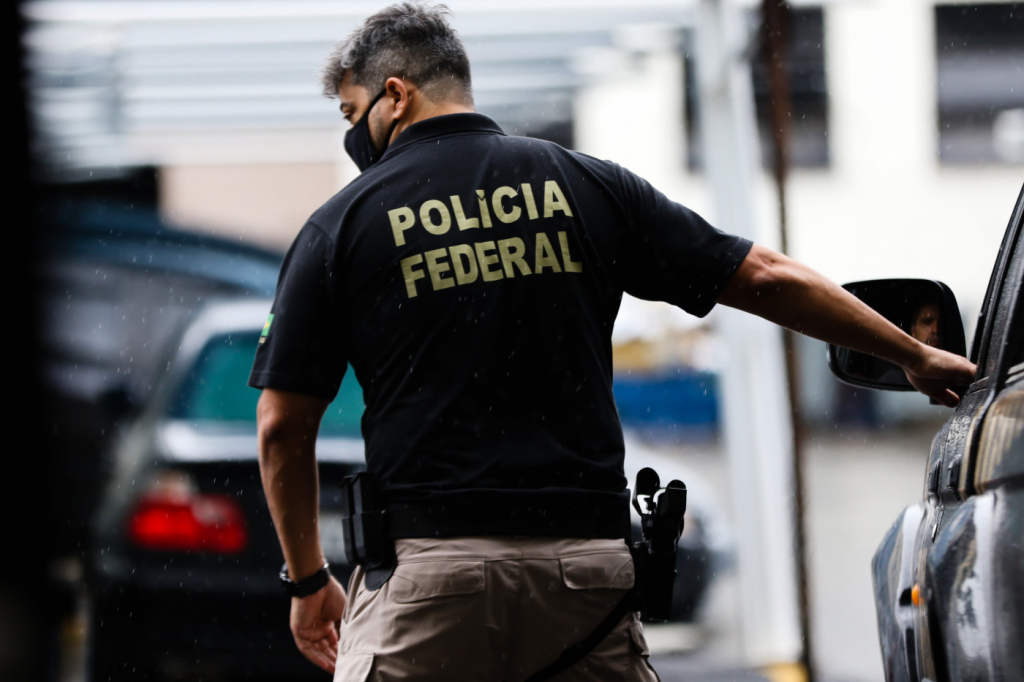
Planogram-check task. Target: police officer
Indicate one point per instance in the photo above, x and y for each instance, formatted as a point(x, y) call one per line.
point(471, 280)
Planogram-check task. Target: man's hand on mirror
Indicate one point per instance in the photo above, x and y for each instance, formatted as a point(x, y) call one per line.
point(936, 373)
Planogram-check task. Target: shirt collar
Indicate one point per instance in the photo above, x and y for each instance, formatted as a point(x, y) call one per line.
point(440, 126)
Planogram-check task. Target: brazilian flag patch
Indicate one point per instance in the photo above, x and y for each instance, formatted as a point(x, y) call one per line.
point(266, 328)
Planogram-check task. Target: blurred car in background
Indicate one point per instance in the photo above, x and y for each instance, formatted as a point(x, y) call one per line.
point(183, 580)
point(183, 576)
point(947, 576)
point(117, 286)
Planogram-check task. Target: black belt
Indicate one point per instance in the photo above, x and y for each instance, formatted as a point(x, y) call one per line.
point(370, 527)
point(548, 518)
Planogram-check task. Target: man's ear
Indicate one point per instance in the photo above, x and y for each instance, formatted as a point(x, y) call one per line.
point(399, 93)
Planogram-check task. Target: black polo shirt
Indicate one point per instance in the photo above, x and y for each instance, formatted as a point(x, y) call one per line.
point(471, 279)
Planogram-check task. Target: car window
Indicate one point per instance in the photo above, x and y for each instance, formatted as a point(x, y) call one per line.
point(1002, 311)
point(1015, 340)
point(982, 348)
point(215, 389)
point(1015, 333)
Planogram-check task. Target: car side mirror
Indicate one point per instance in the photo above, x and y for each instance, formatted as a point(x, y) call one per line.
point(925, 309)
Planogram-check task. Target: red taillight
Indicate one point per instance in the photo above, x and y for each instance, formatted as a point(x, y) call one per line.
point(176, 518)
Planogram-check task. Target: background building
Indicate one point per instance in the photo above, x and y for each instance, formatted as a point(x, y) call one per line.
point(908, 117)
point(908, 152)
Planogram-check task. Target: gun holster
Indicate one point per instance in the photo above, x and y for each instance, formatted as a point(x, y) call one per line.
point(654, 563)
point(654, 556)
point(364, 530)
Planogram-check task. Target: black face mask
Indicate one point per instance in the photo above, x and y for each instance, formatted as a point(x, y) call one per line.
point(358, 142)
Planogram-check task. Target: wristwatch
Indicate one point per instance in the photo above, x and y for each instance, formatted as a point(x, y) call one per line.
point(306, 586)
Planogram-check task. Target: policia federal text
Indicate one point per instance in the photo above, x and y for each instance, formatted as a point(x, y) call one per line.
point(485, 260)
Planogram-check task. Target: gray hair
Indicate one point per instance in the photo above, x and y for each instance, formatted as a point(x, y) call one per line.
point(408, 40)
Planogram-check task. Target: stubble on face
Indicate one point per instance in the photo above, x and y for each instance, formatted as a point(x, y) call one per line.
point(355, 100)
point(926, 326)
point(376, 125)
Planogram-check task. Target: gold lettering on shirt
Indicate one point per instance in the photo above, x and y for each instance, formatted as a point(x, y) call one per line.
point(499, 208)
point(411, 275)
point(460, 215)
point(554, 200)
point(489, 261)
point(464, 263)
point(428, 223)
point(545, 255)
point(485, 213)
point(455, 265)
point(436, 268)
point(531, 205)
point(401, 220)
point(567, 261)
point(486, 261)
point(512, 252)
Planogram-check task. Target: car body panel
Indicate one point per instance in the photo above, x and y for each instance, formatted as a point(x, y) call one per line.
point(962, 591)
point(963, 545)
point(893, 569)
point(182, 441)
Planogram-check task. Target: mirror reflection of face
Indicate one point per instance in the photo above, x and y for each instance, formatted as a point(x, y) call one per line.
point(925, 327)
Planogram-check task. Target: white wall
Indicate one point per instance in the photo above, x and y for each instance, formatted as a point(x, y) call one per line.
point(884, 207)
point(265, 202)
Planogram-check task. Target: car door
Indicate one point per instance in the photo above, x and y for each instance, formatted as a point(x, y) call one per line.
point(970, 563)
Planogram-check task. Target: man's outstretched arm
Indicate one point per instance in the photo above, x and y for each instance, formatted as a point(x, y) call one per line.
point(287, 425)
point(790, 294)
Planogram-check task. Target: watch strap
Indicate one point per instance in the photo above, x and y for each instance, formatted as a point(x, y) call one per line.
point(308, 585)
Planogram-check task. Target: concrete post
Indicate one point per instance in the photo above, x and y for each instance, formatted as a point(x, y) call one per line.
point(757, 427)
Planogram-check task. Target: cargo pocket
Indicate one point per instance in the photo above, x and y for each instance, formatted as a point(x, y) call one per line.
point(594, 571)
point(350, 593)
point(428, 580)
point(353, 668)
point(637, 640)
point(638, 643)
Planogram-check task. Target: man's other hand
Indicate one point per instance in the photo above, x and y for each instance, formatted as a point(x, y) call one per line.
point(936, 372)
point(316, 622)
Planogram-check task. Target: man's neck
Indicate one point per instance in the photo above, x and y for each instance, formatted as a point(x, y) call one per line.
point(427, 109)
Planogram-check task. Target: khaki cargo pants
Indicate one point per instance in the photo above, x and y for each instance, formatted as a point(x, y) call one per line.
point(495, 609)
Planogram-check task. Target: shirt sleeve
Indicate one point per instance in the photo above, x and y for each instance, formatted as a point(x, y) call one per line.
point(672, 254)
point(302, 347)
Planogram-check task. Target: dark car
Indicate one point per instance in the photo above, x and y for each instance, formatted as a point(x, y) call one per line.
point(183, 577)
point(117, 287)
point(949, 575)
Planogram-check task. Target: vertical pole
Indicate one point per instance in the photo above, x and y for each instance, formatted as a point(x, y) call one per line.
point(777, 20)
point(756, 421)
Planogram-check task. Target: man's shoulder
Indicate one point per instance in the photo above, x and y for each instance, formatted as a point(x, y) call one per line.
point(534, 145)
point(571, 164)
point(332, 212)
